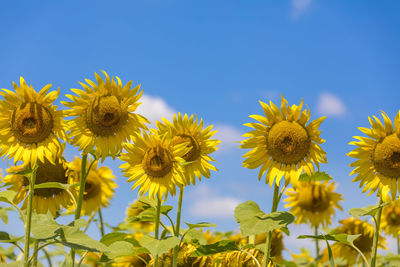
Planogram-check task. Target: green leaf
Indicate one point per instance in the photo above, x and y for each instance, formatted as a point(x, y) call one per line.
point(44, 226)
point(54, 185)
point(80, 223)
point(149, 201)
point(254, 221)
point(194, 236)
point(74, 238)
point(157, 247)
point(4, 236)
point(318, 176)
point(7, 196)
point(165, 209)
point(24, 172)
point(119, 249)
point(370, 210)
point(4, 215)
point(200, 225)
point(221, 246)
point(342, 238)
point(110, 238)
point(331, 260)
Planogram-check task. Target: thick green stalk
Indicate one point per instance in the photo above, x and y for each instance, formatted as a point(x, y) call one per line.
point(80, 198)
point(376, 234)
point(178, 223)
point(101, 223)
point(158, 211)
point(275, 203)
point(28, 221)
point(316, 245)
point(398, 244)
point(35, 253)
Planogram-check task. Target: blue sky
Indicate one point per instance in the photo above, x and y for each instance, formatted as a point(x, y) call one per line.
point(217, 59)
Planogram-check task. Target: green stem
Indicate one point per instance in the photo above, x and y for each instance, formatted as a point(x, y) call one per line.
point(158, 211)
point(101, 223)
point(80, 198)
point(28, 221)
point(398, 244)
point(316, 245)
point(48, 257)
point(275, 203)
point(35, 253)
point(178, 223)
point(376, 234)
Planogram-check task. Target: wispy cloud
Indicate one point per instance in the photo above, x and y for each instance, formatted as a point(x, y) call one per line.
point(229, 136)
point(330, 105)
point(153, 108)
point(207, 203)
point(299, 7)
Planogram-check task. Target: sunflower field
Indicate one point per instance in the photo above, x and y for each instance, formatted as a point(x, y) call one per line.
point(100, 120)
point(199, 133)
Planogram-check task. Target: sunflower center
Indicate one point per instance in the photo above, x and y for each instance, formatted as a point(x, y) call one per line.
point(157, 162)
point(386, 156)
point(314, 198)
point(194, 152)
point(393, 216)
point(288, 142)
point(47, 172)
point(105, 116)
point(364, 241)
point(91, 189)
point(31, 123)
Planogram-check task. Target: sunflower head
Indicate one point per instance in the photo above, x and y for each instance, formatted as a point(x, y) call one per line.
point(282, 143)
point(154, 163)
point(313, 202)
point(30, 124)
point(128, 261)
point(189, 130)
point(378, 157)
point(99, 186)
point(104, 115)
point(352, 226)
point(44, 199)
point(134, 210)
point(391, 218)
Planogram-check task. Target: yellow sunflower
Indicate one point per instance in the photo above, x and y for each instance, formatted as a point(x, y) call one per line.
point(189, 129)
point(132, 261)
point(313, 202)
point(354, 226)
point(154, 163)
point(99, 186)
point(93, 259)
point(378, 157)
point(44, 199)
point(30, 125)
point(105, 115)
point(391, 218)
point(282, 144)
point(135, 209)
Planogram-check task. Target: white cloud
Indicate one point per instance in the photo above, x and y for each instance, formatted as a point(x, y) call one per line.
point(299, 7)
point(153, 108)
point(206, 203)
point(229, 136)
point(330, 105)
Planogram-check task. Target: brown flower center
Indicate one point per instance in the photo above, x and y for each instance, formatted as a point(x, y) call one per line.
point(288, 142)
point(31, 123)
point(194, 152)
point(157, 162)
point(105, 116)
point(47, 172)
point(386, 157)
point(393, 216)
point(364, 241)
point(92, 189)
point(314, 198)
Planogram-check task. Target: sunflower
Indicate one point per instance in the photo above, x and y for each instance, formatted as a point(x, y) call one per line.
point(93, 259)
point(99, 186)
point(105, 115)
point(188, 129)
point(313, 202)
point(391, 218)
point(135, 209)
point(30, 125)
point(140, 260)
point(155, 164)
point(353, 226)
point(282, 144)
point(378, 157)
point(44, 199)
